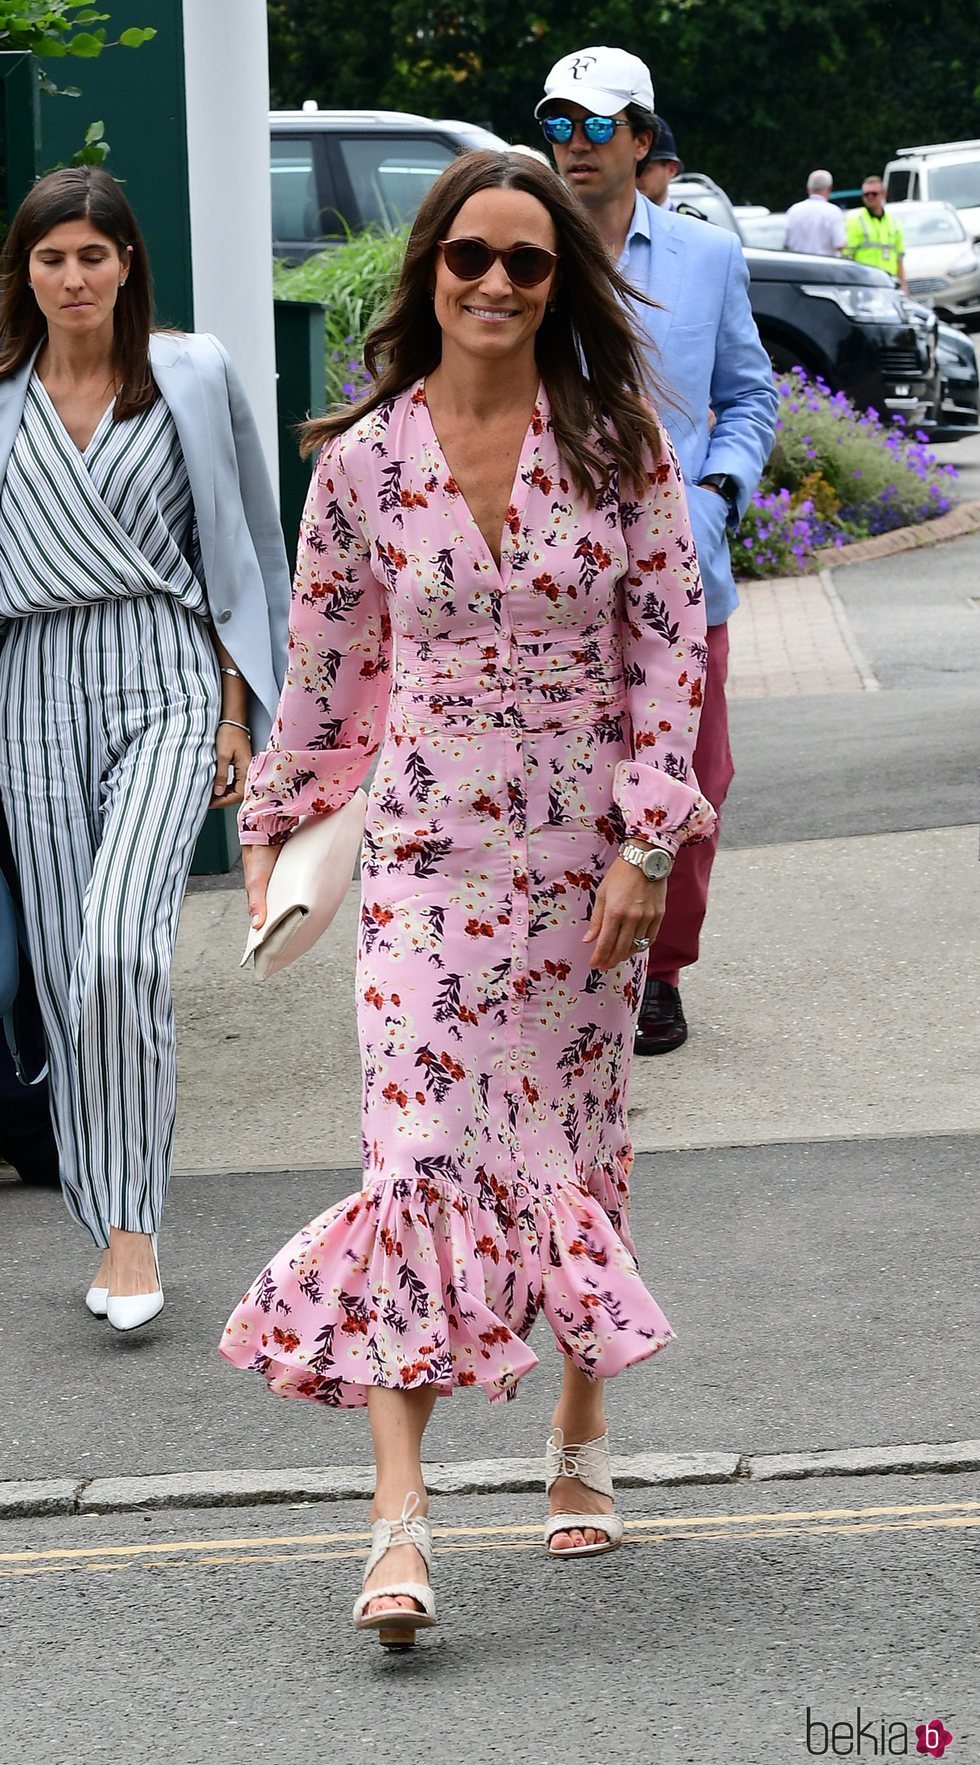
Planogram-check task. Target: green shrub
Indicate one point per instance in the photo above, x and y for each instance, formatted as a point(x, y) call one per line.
point(353, 282)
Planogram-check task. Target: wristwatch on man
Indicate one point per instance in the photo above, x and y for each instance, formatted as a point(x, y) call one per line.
point(727, 488)
point(654, 861)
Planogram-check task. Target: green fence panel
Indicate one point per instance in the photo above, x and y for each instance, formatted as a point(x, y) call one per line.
point(301, 392)
point(19, 128)
point(139, 95)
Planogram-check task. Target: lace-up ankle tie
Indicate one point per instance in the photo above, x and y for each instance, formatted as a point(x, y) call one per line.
point(588, 1464)
point(396, 1626)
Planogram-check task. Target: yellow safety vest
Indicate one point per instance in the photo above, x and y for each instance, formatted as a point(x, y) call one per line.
point(873, 239)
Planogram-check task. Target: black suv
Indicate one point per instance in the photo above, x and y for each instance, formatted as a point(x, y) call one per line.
point(840, 320)
point(849, 324)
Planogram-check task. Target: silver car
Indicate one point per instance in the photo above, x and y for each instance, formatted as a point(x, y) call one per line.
point(335, 172)
point(765, 232)
point(941, 260)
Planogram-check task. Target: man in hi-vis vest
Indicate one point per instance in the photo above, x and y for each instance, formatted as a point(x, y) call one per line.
point(872, 237)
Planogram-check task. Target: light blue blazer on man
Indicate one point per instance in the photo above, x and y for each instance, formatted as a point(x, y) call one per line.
point(704, 348)
point(246, 573)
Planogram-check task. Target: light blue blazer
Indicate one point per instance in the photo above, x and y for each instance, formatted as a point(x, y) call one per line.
point(246, 573)
point(703, 344)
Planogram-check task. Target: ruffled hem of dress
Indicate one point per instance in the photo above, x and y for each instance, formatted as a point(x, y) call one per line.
point(394, 1287)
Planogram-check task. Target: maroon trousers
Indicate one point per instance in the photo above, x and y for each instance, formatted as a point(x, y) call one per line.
point(676, 943)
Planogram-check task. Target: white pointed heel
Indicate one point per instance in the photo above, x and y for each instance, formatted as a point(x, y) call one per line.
point(129, 1311)
point(588, 1463)
point(97, 1301)
point(396, 1628)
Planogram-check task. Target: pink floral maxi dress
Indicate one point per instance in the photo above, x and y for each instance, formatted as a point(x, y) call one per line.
point(530, 717)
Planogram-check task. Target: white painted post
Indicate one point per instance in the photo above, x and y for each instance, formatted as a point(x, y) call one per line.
point(226, 71)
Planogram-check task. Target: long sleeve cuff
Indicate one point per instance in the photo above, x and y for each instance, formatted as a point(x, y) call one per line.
point(285, 788)
point(670, 812)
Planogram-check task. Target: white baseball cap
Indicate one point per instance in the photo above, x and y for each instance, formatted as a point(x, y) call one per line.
point(603, 80)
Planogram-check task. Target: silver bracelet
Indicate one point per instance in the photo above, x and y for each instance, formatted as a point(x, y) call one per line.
point(235, 675)
point(232, 723)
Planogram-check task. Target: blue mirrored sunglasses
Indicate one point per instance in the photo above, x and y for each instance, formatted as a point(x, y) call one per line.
point(597, 129)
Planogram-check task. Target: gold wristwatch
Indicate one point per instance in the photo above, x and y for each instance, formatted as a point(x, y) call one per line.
point(654, 861)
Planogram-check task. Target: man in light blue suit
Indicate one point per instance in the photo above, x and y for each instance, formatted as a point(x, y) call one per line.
point(720, 410)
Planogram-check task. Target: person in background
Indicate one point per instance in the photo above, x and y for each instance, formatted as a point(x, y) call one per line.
point(661, 166)
point(872, 236)
point(137, 523)
point(816, 224)
point(598, 116)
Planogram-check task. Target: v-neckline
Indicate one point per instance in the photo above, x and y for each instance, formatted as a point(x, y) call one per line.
point(516, 499)
point(82, 452)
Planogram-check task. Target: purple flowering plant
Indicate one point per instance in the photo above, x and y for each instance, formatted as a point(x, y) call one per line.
point(836, 475)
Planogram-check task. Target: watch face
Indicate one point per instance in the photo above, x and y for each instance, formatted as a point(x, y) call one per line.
point(657, 865)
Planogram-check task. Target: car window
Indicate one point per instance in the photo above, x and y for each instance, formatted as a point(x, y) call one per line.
point(898, 186)
point(712, 207)
point(295, 210)
point(958, 184)
point(390, 174)
point(929, 226)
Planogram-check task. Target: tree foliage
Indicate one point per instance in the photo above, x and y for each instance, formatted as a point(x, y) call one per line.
point(758, 92)
point(54, 28)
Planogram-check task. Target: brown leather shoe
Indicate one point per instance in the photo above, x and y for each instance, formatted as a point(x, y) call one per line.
point(662, 1024)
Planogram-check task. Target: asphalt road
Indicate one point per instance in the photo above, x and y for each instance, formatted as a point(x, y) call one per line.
point(216, 1638)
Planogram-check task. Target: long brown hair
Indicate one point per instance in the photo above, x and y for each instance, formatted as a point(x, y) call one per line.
point(79, 193)
point(587, 351)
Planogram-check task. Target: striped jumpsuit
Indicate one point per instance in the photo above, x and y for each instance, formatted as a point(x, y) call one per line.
point(109, 700)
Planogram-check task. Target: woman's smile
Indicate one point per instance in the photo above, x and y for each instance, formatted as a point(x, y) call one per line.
point(491, 314)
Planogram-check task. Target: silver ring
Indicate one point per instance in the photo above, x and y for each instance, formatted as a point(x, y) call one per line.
point(641, 943)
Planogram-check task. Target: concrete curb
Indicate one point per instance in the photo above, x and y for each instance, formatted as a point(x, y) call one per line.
point(22, 1499)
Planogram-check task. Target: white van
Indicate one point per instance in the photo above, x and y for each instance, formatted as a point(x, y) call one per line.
point(949, 171)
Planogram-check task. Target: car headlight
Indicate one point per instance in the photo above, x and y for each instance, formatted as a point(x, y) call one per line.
point(869, 304)
point(967, 265)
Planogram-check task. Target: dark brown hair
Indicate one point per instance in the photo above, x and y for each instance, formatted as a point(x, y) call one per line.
point(79, 193)
point(641, 120)
point(588, 354)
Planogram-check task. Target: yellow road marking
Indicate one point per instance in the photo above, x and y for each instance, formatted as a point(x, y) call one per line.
point(702, 1529)
point(663, 1523)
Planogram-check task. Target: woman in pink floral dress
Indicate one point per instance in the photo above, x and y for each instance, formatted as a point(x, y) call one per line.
point(496, 585)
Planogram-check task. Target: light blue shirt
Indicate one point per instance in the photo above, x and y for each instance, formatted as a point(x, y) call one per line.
point(704, 352)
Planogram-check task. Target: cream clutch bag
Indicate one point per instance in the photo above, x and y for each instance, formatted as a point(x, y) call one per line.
point(311, 877)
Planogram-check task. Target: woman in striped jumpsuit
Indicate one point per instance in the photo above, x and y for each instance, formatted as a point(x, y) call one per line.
point(122, 715)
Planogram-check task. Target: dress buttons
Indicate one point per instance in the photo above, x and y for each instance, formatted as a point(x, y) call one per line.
point(224, 616)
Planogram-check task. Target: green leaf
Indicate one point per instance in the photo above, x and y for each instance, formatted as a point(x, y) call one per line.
point(93, 133)
point(93, 155)
point(134, 38)
point(87, 44)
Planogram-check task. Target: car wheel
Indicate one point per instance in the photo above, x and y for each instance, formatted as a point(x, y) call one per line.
point(784, 360)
